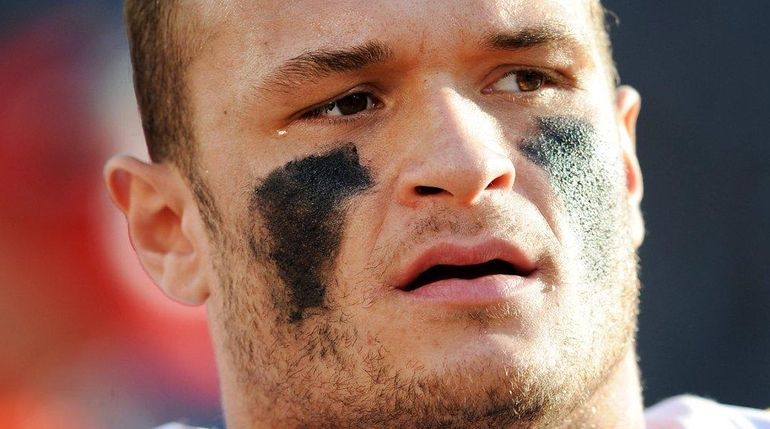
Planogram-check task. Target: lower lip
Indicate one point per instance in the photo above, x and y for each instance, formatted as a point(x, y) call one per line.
point(473, 292)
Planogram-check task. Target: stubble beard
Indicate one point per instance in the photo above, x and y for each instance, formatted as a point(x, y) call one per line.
point(319, 372)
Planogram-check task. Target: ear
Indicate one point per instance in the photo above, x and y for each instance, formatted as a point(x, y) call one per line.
point(627, 105)
point(164, 225)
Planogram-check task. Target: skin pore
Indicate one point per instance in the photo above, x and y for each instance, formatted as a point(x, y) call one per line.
point(336, 149)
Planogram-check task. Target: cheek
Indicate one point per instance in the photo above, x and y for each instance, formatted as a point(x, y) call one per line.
point(586, 178)
point(302, 207)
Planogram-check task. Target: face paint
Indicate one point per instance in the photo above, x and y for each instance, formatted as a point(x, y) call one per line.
point(303, 209)
point(585, 177)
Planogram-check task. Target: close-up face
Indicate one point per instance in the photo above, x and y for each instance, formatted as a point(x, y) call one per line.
point(426, 213)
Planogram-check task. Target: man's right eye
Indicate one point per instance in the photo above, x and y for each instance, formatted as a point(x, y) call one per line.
point(343, 106)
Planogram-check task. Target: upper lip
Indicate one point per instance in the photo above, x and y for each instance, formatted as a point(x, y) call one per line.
point(459, 254)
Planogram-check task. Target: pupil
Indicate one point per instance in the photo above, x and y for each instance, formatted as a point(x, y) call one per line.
point(352, 104)
point(529, 80)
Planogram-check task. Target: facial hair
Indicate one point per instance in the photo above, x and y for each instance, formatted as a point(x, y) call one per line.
point(309, 364)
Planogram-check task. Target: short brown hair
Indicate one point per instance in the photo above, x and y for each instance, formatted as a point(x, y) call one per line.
point(162, 43)
point(160, 54)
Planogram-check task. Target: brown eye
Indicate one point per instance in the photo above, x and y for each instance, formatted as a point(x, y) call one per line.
point(353, 104)
point(344, 106)
point(529, 80)
point(525, 80)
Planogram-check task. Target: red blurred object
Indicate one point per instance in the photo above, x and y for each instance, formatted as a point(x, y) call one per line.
point(70, 326)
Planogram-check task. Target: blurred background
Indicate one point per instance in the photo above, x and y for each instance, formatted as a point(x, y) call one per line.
point(86, 341)
point(703, 144)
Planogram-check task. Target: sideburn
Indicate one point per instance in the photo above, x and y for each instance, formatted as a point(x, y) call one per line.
point(303, 208)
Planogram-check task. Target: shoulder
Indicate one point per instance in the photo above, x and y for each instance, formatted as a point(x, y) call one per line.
point(687, 411)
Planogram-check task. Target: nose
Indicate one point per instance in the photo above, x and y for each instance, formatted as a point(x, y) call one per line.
point(458, 158)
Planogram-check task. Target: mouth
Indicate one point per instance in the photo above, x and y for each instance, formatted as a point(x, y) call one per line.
point(441, 272)
point(467, 270)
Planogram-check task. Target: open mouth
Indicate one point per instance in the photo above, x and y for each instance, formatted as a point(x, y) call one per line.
point(465, 272)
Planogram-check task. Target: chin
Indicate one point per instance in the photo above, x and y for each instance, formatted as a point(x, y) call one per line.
point(493, 382)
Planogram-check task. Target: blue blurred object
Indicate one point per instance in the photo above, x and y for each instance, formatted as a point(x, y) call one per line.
point(16, 13)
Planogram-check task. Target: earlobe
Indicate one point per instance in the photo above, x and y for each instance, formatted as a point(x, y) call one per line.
point(628, 104)
point(164, 225)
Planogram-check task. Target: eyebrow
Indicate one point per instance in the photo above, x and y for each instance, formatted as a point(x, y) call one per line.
point(527, 38)
point(315, 65)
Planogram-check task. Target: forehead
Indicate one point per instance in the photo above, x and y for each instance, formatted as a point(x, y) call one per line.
point(277, 30)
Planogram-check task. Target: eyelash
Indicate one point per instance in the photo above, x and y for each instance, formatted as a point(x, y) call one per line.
point(316, 113)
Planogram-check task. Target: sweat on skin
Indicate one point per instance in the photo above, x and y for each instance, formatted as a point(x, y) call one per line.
point(302, 205)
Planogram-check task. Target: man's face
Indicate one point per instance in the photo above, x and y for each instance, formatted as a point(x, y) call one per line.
point(424, 209)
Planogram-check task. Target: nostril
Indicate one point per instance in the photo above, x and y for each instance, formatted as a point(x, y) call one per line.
point(503, 181)
point(427, 190)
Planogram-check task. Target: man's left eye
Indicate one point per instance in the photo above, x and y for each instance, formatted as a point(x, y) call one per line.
point(343, 106)
point(521, 81)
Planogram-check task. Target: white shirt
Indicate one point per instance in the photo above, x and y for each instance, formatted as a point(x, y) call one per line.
point(692, 412)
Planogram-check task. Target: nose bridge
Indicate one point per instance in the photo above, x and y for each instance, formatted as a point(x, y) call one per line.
point(458, 118)
point(459, 155)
